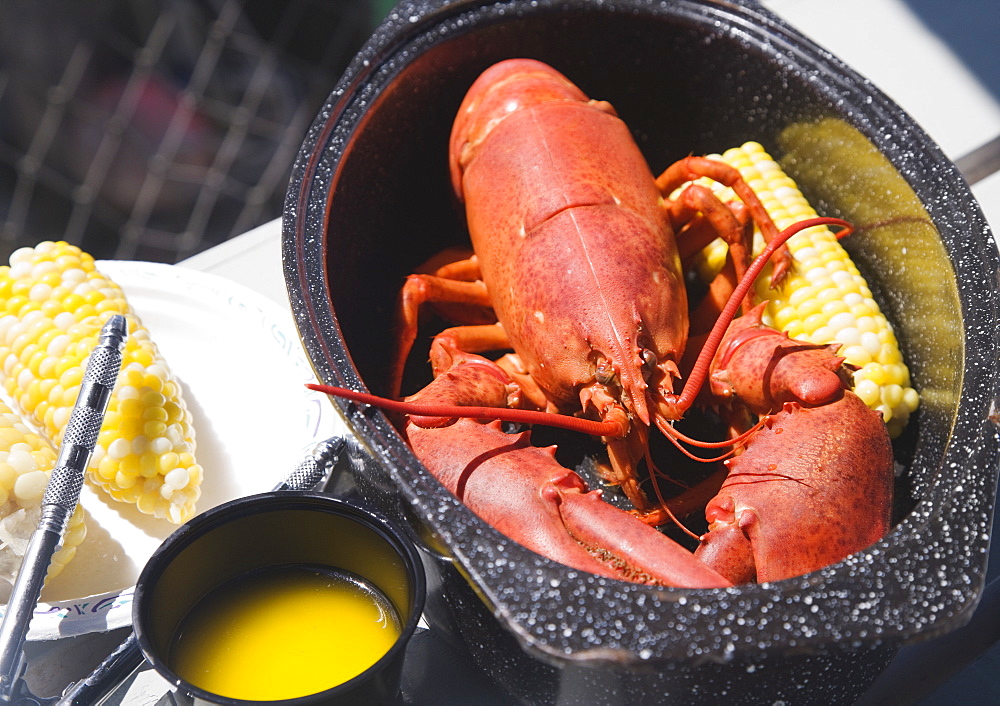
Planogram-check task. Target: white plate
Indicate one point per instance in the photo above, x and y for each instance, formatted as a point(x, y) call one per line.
point(242, 369)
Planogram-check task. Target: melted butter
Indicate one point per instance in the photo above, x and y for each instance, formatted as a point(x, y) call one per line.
point(284, 632)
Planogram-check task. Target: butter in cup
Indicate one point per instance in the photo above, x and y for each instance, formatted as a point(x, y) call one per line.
point(255, 586)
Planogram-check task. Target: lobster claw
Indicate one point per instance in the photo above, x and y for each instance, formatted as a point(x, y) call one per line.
point(811, 487)
point(764, 368)
point(523, 491)
point(727, 546)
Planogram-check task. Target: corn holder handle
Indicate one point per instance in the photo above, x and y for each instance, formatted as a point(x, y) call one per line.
point(127, 657)
point(61, 497)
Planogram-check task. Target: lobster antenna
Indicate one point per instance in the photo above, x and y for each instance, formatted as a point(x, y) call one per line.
point(502, 414)
point(676, 437)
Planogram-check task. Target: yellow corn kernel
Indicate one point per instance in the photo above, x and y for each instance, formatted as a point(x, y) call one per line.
point(26, 462)
point(824, 299)
point(46, 349)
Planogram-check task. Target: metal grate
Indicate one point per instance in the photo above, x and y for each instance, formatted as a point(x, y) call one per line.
point(147, 130)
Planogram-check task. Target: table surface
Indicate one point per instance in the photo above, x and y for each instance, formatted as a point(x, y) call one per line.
point(938, 61)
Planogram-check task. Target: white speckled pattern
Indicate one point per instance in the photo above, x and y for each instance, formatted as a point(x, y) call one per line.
point(832, 630)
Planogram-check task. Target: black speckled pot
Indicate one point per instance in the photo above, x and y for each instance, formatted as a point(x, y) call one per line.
point(369, 200)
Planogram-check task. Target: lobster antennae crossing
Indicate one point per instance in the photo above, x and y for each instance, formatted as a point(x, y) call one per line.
point(699, 371)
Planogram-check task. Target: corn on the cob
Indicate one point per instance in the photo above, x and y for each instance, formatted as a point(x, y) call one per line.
point(26, 461)
point(54, 302)
point(825, 299)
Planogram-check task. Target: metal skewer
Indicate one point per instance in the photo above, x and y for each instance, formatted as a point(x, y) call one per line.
point(61, 497)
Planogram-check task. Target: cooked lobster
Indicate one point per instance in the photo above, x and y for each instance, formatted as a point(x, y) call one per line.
point(576, 270)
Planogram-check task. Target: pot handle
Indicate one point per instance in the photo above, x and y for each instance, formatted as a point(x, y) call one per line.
point(106, 677)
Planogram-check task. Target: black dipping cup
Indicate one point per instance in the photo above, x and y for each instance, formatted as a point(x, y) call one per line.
point(277, 528)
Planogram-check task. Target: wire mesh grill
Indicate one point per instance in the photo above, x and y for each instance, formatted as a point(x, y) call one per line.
point(152, 130)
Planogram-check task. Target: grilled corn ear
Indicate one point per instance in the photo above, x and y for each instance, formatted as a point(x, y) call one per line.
point(54, 302)
point(825, 299)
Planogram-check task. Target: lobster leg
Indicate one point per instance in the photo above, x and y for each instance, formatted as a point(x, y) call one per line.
point(453, 263)
point(420, 289)
point(734, 225)
point(699, 232)
point(472, 339)
point(531, 392)
point(722, 219)
point(692, 168)
point(458, 293)
point(522, 490)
